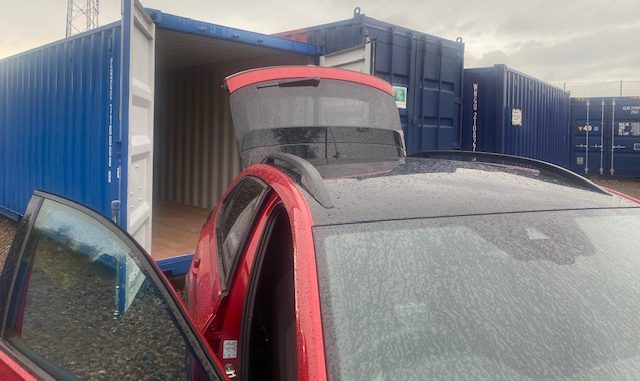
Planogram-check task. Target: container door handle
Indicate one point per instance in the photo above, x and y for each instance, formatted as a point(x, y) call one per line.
point(613, 134)
point(602, 137)
point(587, 128)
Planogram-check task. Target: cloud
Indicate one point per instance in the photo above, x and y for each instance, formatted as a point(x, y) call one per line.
point(552, 39)
point(490, 58)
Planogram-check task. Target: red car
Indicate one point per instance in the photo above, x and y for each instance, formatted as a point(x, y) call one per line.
point(335, 256)
point(320, 267)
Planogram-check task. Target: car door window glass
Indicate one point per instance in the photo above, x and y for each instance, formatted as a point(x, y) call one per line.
point(235, 221)
point(83, 306)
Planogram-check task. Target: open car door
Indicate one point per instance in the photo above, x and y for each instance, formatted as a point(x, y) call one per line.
point(62, 310)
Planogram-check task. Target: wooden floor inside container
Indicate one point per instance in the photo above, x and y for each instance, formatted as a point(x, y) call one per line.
point(176, 228)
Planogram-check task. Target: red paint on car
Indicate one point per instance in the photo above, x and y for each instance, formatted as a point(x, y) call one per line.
point(10, 370)
point(221, 318)
point(250, 77)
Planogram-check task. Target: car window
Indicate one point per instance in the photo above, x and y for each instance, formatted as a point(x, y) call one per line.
point(84, 306)
point(235, 220)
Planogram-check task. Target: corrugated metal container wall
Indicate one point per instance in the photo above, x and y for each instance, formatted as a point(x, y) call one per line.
point(196, 155)
point(56, 124)
point(429, 67)
point(195, 145)
point(605, 136)
point(509, 112)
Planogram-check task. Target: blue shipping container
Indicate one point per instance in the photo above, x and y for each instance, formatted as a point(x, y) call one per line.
point(605, 136)
point(130, 117)
point(509, 112)
point(427, 68)
point(58, 121)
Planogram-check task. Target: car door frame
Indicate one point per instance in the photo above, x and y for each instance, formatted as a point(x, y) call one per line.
point(222, 290)
point(254, 259)
point(309, 337)
point(309, 333)
point(228, 277)
point(193, 339)
point(226, 323)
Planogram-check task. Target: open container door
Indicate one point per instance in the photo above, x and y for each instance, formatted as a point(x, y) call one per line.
point(359, 58)
point(137, 112)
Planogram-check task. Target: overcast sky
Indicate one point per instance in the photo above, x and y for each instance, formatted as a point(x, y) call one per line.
point(555, 40)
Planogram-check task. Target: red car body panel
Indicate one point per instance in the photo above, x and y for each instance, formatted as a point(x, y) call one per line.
point(226, 324)
point(221, 317)
point(10, 370)
point(203, 283)
point(250, 77)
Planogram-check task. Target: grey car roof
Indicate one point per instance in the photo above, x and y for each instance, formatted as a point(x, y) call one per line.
point(407, 188)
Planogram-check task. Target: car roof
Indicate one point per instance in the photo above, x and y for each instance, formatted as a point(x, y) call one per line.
point(409, 188)
point(253, 76)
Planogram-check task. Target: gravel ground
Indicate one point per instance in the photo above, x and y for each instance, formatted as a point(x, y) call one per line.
point(7, 231)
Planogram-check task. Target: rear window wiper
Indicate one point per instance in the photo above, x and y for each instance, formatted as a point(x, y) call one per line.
point(313, 82)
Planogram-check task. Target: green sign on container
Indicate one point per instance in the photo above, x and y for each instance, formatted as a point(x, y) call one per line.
point(400, 95)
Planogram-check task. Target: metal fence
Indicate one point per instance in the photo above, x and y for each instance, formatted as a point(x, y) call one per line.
point(602, 89)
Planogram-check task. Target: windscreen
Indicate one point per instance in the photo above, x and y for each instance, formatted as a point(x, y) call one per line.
point(531, 296)
point(315, 118)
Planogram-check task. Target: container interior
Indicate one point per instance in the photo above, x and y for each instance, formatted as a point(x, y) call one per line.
point(195, 151)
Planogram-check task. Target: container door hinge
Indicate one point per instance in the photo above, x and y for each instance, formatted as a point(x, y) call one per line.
point(115, 210)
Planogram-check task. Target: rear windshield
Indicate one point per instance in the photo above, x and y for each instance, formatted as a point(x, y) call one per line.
point(312, 103)
point(529, 296)
point(315, 119)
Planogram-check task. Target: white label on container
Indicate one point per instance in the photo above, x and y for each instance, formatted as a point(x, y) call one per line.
point(229, 349)
point(635, 110)
point(400, 96)
point(516, 117)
